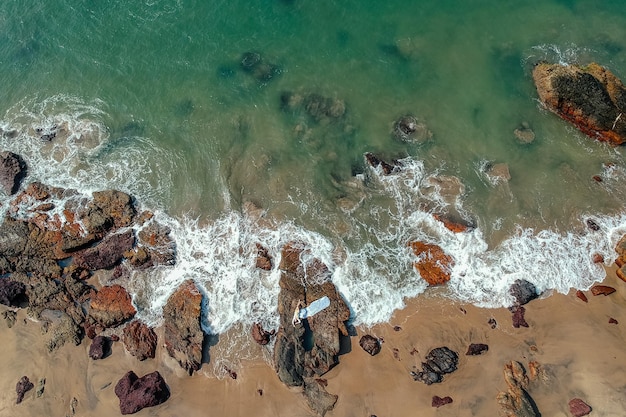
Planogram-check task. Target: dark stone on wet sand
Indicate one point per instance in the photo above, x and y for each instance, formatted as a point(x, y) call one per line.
point(477, 349)
point(438, 401)
point(137, 393)
point(23, 386)
point(439, 361)
point(523, 291)
point(98, 347)
point(602, 290)
point(260, 335)
point(579, 408)
point(370, 344)
point(12, 172)
point(518, 317)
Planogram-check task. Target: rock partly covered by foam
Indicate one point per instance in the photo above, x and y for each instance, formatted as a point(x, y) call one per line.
point(307, 350)
point(516, 402)
point(523, 291)
point(433, 264)
point(182, 334)
point(439, 361)
point(590, 97)
point(137, 393)
point(112, 306)
point(12, 172)
point(140, 340)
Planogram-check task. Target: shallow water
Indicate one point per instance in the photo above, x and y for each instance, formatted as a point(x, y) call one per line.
point(151, 98)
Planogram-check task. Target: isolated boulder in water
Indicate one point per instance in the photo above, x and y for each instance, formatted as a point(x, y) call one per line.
point(433, 264)
point(12, 171)
point(590, 97)
point(137, 393)
point(182, 334)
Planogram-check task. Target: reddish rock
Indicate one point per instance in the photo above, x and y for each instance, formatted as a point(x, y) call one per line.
point(263, 258)
point(581, 295)
point(260, 335)
point(578, 408)
point(621, 272)
point(597, 178)
point(597, 258)
point(452, 225)
point(613, 321)
point(434, 265)
point(107, 253)
point(477, 349)
point(182, 334)
point(438, 401)
point(375, 161)
point(23, 386)
point(98, 348)
point(140, 340)
point(602, 290)
point(137, 393)
point(518, 317)
point(111, 306)
point(370, 344)
point(590, 97)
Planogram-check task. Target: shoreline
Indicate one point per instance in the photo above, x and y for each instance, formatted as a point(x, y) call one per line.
point(578, 350)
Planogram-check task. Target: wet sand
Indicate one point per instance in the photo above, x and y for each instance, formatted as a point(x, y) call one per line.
point(581, 353)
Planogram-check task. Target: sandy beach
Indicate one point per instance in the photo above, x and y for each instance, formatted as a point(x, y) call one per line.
point(579, 351)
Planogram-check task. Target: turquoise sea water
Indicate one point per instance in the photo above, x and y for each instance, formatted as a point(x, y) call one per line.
point(150, 97)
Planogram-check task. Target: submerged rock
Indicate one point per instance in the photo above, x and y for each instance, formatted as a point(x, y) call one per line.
point(254, 64)
point(183, 336)
point(590, 97)
point(137, 393)
point(524, 133)
point(408, 129)
point(12, 172)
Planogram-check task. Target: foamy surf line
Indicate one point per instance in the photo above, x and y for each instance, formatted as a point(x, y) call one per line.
point(375, 276)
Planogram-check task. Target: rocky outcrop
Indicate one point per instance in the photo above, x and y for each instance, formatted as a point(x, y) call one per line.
point(516, 402)
point(433, 264)
point(375, 161)
point(11, 292)
point(137, 393)
point(439, 361)
point(112, 306)
point(370, 344)
point(140, 340)
point(23, 386)
point(108, 210)
point(12, 172)
point(309, 349)
point(263, 258)
point(318, 399)
point(590, 97)
point(107, 253)
point(183, 336)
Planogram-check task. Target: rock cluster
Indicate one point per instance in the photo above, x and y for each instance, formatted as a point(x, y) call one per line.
point(439, 361)
point(590, 97)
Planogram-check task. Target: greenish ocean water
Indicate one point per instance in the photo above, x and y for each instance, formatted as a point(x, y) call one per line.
point(151, 97)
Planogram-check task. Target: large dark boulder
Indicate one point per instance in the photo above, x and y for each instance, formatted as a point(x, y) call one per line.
point(439, 361)
point(140, 340)
point(23, 386)
point(370, 344)
point(11, 292)
point(137, 393)
point(183, 335)
point(99, 347)
point(12, 172)
point(523, 291)
point(590, 97)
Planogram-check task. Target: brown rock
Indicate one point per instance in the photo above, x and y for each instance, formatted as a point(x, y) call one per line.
point(516, 402)
point(140, 340)
point(99, 347)
point(438, 401)
point(370, 344)
point(318, 399)
point(590, 97)
point(602, 290)
point(518, 317)
point(263, 258)
point(524, 133)
point(477, 349)
point(107, 253)
point(581, 295)
point(183, 335)
point(260, 335)
point(434, 265)
point(23, 386)
point(453, 226)
point(375, 161)
point(137, 393)
point(597, 258)
point(613, 321)
point(111, 306)
point(578, 407)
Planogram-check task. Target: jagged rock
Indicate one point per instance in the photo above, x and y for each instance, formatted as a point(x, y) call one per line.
point(318, 399)
point(107, 253)
point(374, 161)
point(439, 361)
point(518, 317)
point(408, 129)
point(64, 329)
point(109, 210)
point(137, 393)
point(523, 291)
point(433, 264)
point(12, 172)
point(10, 317)
point(98, 347)
point(183, 336)
point(602, 290)
point(157, 244)
point(307, 279)
point(477, 349)
point(578, 408)
point(454, 225)
point(370, 344)
point(263, 258)
point(111, 306)
point(581, 295)
point(438, 401)
point(140, 340)
point(590, 97)
point(516, 402)
point(260, 335)
point(23, 386)
point(11, 292)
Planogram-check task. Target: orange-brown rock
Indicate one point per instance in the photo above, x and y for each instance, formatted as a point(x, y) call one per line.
point(434, 265)
point(453, 226)
point(263, 258)
point(111, 306)
point(581, 295)
point(590, 97)
point(602, 290)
